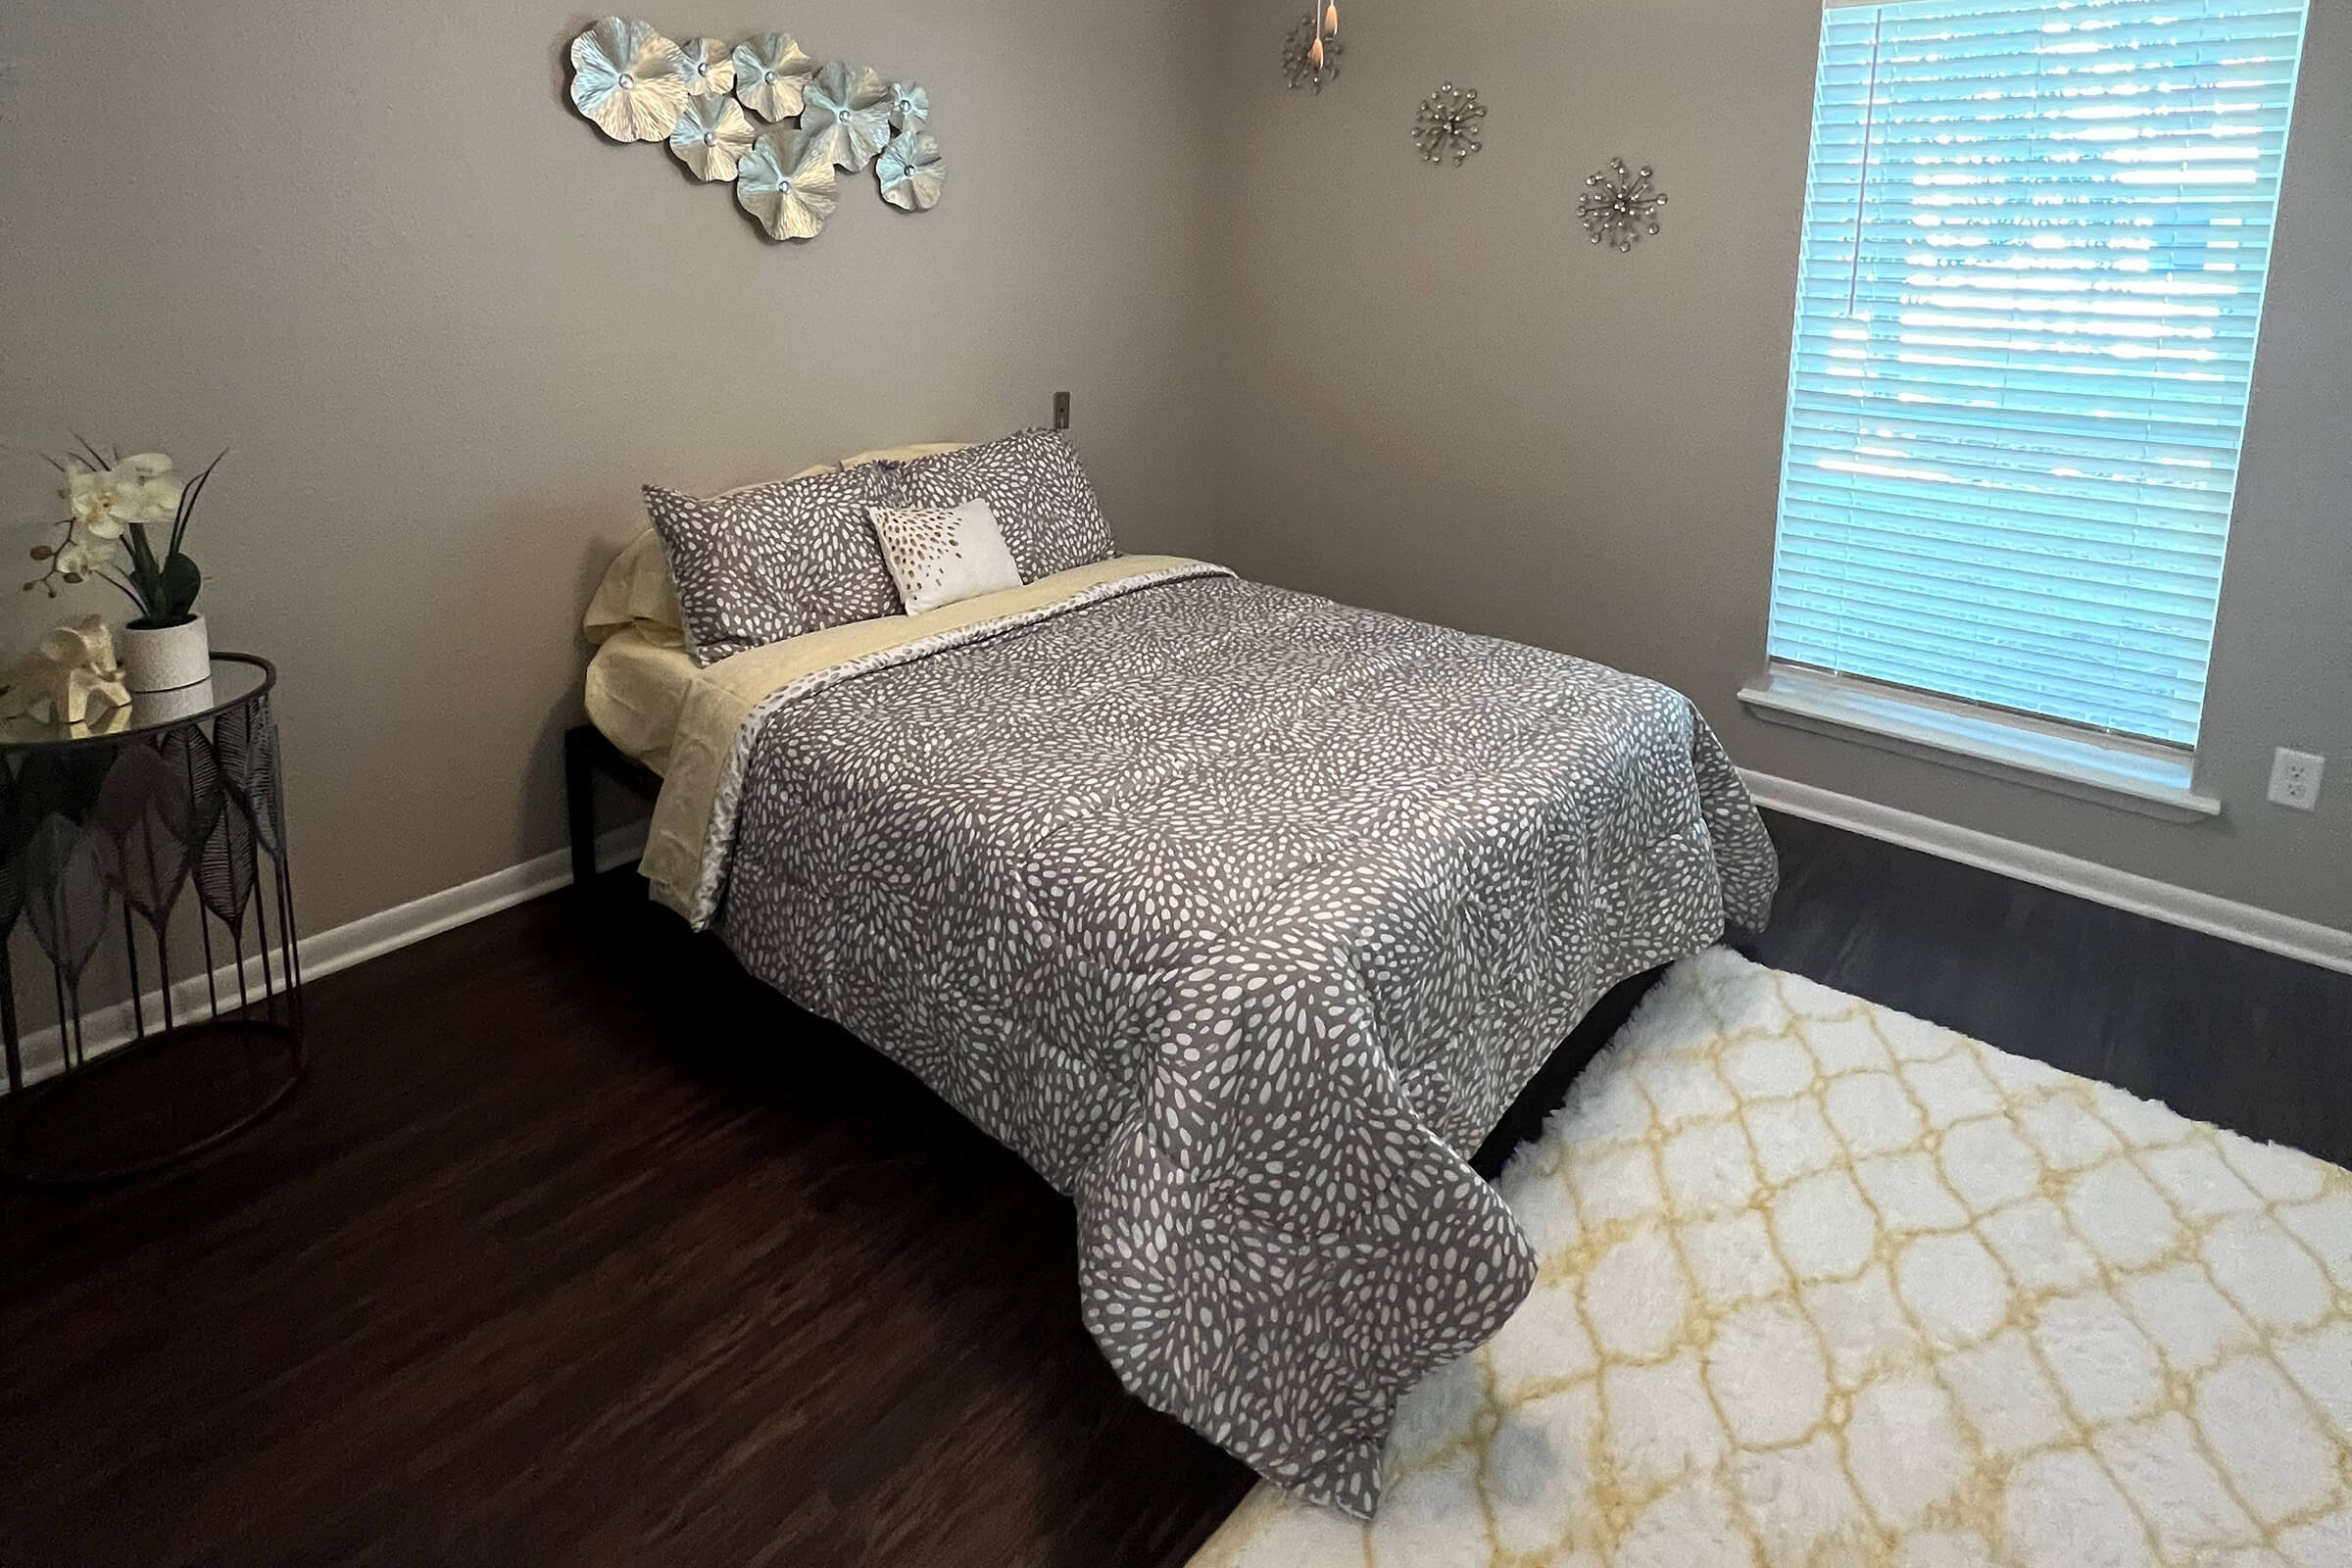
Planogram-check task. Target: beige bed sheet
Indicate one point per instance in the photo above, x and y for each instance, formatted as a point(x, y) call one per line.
point(638, 679)
point(637, 686)
point(724, 697)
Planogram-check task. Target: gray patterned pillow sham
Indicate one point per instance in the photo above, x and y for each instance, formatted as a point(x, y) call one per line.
point(1032, 481)
point(757, 566)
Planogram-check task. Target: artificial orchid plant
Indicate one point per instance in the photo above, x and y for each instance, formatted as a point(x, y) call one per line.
point(111, 500)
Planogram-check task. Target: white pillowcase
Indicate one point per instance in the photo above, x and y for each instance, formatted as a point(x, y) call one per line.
point(943, 554)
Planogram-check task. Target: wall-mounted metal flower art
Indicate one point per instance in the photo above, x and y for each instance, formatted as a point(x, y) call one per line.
point(1448, 123)
point(1620, 204)
point(629, 79)
point(771, 72)
point(638, 86)
point(710, 66)
point(712, 136)
point(909, 106)
point(910, 171)
point(787, 182)
point(848, 109)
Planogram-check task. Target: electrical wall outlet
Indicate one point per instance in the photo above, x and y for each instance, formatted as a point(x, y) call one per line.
point(2295, 779)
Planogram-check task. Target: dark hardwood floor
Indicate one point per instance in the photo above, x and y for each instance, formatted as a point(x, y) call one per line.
point(2218, 1031)
point(580, 1247)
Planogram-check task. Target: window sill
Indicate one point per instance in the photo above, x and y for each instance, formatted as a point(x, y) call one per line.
point(2152, 781)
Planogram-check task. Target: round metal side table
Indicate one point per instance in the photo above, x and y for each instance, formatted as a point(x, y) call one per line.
point(141, 1024)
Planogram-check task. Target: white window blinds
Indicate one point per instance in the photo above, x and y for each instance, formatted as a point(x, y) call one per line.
point(2035, 245)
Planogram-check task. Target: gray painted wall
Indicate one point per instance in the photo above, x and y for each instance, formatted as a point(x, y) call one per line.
point(448, 329)
point(1441, 400)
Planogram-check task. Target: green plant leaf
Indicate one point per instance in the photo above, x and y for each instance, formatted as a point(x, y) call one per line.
point(142, 554)
point(180, 581)
point(187, 501)
point(146, 573)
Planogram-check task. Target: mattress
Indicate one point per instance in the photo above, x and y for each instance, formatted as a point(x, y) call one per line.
point(636, 691)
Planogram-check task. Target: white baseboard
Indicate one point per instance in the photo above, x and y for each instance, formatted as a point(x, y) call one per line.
point(368, 937)
point(2284, 934)
point(389, 930)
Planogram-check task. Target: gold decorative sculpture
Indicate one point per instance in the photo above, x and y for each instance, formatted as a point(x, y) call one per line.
point(69, 669)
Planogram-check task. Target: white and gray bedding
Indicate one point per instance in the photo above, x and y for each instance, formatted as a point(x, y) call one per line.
point(767, 562)
point(1243, 915)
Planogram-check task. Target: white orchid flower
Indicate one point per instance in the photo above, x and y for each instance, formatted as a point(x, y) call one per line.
point(158, 500)
point(157, 496)
point(77, 560)
point(140, 489)
point(99, 498)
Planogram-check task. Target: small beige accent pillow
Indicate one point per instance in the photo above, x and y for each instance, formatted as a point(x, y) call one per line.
point(943, 554)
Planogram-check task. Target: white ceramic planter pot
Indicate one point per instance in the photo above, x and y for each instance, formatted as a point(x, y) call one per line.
point(165, 658)
point(181, 702)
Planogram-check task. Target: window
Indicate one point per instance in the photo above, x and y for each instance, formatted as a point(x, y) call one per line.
point(2035, 239)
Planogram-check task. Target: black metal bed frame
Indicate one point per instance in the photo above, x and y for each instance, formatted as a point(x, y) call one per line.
point(587, 757)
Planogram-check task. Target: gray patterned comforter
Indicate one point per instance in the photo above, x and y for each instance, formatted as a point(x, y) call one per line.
point(1243, 915)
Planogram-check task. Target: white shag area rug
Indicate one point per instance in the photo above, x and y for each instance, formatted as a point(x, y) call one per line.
point(1822, 1285)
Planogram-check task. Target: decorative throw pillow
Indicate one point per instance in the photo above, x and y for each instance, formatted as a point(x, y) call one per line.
point(1048, 512)
point(757, 566)
point(943, 554)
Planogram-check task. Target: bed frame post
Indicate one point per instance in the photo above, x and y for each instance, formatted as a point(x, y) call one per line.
point(588, 757)
point(579, 800)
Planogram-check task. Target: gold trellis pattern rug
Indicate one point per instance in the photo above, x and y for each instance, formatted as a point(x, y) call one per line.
point(1824, 1285)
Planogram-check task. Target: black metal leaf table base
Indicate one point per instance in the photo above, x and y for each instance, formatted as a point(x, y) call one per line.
point(151, 1005)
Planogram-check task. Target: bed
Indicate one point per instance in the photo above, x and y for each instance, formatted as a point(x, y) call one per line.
point(1241, 914)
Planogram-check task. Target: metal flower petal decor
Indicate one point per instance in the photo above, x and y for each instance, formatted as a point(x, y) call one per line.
point(910, 171)
point(850, 109)
point(713, 136)
point(710, 66)
point(1620, 204)
point(706, 98)
point(787, 182)
point(629, 79)
point(909, 106)
point(771, 72)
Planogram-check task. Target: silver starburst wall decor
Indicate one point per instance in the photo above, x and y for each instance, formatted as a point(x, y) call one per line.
point(1620, 204)
point(763, 114)
point(1310, 55)
point(1448, 124)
